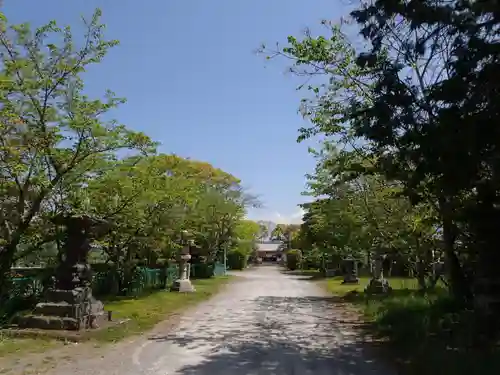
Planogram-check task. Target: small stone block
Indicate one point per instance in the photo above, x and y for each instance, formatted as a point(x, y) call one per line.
point(55, 309)
point(378, 286)
point(331, 273)
point(50, 322)
point(183, 286)
point(73, 296)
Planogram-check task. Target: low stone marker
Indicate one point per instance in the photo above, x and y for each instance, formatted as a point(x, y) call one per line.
point(378, 285)
point(331, 272)
point(351, 275)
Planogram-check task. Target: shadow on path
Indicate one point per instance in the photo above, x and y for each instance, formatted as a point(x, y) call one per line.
point(280, 358)
point(282, 335)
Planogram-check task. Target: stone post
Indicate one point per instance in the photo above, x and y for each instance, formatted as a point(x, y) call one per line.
point(183, 284)
point(378, 268)
point(351, 274)
point(378, 285)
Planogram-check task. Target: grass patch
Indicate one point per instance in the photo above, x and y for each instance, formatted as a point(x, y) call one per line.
point(425, 333)
point(142, 313)
point(13, 345)
point(334, 285)
point(145, 312)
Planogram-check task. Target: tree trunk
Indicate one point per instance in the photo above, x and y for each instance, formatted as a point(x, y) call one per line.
point(459, 286)
point(6, 260)
point(486, 242)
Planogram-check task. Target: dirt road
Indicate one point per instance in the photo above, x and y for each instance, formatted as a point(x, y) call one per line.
point(268, 323)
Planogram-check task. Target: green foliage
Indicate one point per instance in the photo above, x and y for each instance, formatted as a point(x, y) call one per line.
point(293, 259)
point(312, 260)
point(202, 270)
point(237, 260)
point(386, 113)
point(247, 233)
point(58, 154)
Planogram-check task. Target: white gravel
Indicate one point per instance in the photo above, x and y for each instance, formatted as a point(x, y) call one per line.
point(268, 323)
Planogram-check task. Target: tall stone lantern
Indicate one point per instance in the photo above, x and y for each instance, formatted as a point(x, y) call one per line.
point(69, 303)
point(183, 283)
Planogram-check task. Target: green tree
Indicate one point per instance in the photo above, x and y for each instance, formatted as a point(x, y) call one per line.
point(399, 103)
point(51, 134)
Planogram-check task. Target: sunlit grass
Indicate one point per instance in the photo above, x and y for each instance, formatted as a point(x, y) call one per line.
point(16, 346)
point(427, 333)
point(138, 314)
point(144, 313)
point(334, 285)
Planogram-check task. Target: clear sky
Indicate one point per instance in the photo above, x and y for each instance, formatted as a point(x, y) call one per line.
point(193, 82)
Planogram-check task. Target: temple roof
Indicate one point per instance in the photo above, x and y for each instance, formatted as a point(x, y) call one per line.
point(268, 246)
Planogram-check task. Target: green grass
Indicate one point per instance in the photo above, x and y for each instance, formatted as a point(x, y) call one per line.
point(144, 313)
point(13, 345)
point(140, 315)
point(334, 285)
point(423, 333)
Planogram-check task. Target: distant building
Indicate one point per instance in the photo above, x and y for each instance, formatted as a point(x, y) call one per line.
point(268, 250)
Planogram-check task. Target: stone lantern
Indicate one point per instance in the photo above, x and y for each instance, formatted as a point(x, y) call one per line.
point(183, 283)
point(69, 303)
point(351, 271)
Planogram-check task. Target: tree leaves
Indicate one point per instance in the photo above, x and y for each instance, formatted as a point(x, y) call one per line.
point(413, 115)
point(60, 154)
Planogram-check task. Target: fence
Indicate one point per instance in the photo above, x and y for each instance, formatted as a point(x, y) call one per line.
point(28, 284)
point(219, 269)
point(106, 280)
point(110, 281)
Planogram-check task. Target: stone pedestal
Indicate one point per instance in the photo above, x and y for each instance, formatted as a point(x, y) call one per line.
point(66, 310)
point(69, 304)
point(183, 286)
point(378, 285)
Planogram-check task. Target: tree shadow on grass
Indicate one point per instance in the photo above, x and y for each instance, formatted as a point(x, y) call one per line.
point(427, 333)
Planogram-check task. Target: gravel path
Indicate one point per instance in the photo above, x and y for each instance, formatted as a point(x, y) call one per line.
point(268, 323)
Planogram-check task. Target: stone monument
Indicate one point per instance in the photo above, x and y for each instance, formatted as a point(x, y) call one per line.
point(69, 303)
point(378, 285)
point(351, 271)
point(183, 283)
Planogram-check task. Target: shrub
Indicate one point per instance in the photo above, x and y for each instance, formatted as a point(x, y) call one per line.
point(202, 270)
point(312, 260)
point(237, 260)
point(431, 334)
point(293, 259)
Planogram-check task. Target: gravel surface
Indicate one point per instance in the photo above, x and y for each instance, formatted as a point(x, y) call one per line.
point(268, 323)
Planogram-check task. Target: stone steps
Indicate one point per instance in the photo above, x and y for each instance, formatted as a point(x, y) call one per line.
point(62, 309)
point(50, 322)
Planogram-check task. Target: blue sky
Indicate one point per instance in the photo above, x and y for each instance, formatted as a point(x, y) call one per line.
point(189, 71)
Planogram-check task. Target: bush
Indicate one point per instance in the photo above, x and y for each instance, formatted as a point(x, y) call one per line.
point(431, 334)
point(236, 260)
point(312, 260)
point(202, 270)
point(293, 259)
